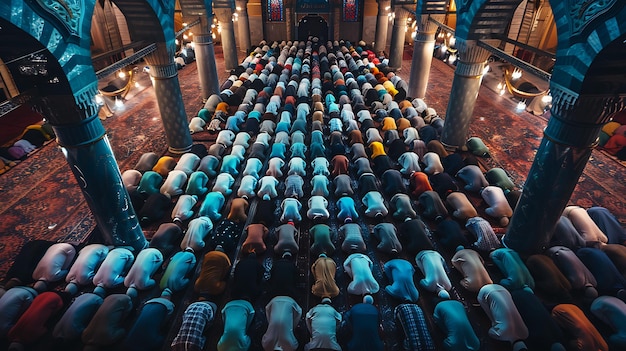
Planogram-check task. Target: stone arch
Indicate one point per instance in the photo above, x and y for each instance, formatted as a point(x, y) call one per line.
point(64, 32)
point(151, 21)
point(590, 45)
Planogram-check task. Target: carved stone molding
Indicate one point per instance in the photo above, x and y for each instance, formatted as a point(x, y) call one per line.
point(583, 12)
point(85, 100)
point(65, 15)
point(203, 38)
point(577, 119)
point(469, 69)
point(586, 109)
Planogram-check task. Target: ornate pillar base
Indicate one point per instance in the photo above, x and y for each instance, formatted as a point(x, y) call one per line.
point(205, 61)
point(91, 160)
point(170, 100)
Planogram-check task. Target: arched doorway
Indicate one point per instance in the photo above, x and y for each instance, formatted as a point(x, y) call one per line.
point(313, 25)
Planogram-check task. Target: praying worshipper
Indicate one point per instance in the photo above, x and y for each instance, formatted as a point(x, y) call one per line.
point(146, 332)
point(543, 332)
point(32, 325)
point(415, 328)
point(612, 311)
point(323, 270)
point(580, 334)
point(451, 317)
point(13, 304)
point(247, 278)
point(54, 265)
point(197, 318)
point(359, 268)
point(516, 274)
point(84, 268)
point(284, 277)
point(400, 275)
point(322, 321)
point(283, 314)
point(76, 318)
point(363, 322)
point(470, 265)
point(237, 316)
point(108, 323)
point(506, 322)
point(214, 273)
point(432, 266)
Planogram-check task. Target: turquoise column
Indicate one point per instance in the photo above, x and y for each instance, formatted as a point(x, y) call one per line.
point(91, 160)
point(170, 100)
point(567, 144)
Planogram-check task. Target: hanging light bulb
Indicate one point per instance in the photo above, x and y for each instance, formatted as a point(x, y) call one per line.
point(176, 42)
point(185, 36)
point(500, 86)
point(137, 85)
point(184, 24)
point(452, 41)
point(502, 91)
point(122, 74)
point(517, 73)
point(521, 105)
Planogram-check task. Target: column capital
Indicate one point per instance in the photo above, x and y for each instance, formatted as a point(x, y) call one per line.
point(426, 26)
point(400, 12)
point(163, 55)
point(575, 117)
point(163, 71)
point(224, 15)
point(471, 52)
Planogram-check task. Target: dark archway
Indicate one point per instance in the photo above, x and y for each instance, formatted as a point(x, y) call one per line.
point(313, 25)
point(37, 74)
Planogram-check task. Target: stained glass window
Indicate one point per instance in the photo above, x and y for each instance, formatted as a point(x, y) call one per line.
point(275, 10)
point(350, 10)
